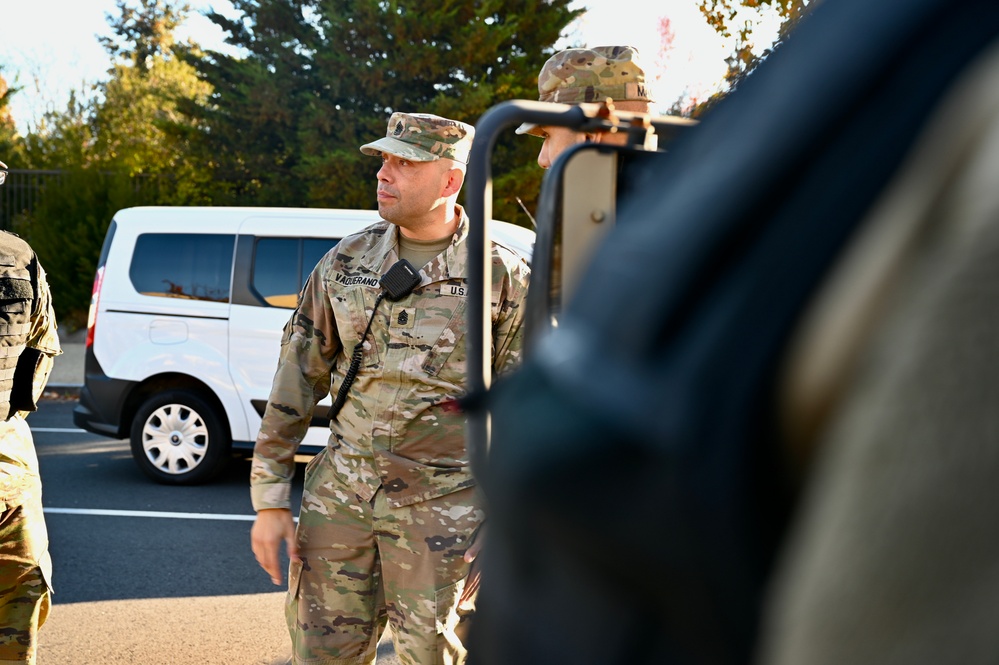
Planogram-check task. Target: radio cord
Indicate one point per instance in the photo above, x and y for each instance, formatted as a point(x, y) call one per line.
point(355, 364)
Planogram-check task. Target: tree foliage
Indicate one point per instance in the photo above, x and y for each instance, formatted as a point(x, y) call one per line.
point(139, 128)
point(279, 120)
point(66, 229)
point(737, 20)
point(10, 144)
point(315, 79)
point(62, 139)
point(126, 146)
point(143, 32)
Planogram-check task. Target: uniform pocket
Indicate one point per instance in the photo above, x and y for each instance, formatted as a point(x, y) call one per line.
point(446, 601)
point(294, 578)
point(291, 599)
point(14, 306)
point(359, 312)
point(15, 288)
point(449, 340)
point(15, 298)
point(316, 460)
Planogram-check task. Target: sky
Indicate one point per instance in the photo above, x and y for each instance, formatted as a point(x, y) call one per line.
point(50, 47)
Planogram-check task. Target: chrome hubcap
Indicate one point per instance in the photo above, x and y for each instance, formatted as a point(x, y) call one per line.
point(175, 439)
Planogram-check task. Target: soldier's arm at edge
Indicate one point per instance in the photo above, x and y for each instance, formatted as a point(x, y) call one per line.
point(35, 363)
point(309, 346)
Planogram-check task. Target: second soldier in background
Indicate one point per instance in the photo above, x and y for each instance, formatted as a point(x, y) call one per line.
point(588, 76)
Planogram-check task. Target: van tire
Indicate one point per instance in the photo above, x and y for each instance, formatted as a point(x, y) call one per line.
point(178, 438)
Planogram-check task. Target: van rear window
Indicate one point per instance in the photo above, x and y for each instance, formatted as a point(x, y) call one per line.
point(192, 266)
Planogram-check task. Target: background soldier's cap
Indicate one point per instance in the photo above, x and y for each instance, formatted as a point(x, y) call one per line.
point(422, 137)
point(583, 75)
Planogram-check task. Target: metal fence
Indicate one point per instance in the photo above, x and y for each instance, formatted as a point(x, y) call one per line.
point(21, 193)
point(25, 187)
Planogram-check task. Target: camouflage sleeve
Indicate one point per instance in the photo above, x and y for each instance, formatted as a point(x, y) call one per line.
point(308, 350)
point(508, 333)
point(43, 334)
point(35, 363)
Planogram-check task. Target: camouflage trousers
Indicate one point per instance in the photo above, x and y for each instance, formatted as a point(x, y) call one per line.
point(25, 569)
point(364, 563)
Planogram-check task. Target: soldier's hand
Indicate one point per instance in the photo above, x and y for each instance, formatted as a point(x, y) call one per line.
point(474, 571)
point(269, 529)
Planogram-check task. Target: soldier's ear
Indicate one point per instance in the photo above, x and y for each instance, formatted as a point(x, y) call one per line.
point(455, 178)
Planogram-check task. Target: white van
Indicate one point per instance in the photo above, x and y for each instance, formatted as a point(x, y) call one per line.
point(185, 325)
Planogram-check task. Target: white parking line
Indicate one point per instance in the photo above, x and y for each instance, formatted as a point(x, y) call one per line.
point(57, 429)
point(149, 513)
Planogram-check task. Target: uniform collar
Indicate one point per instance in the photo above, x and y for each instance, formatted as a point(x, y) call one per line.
point(449, 264)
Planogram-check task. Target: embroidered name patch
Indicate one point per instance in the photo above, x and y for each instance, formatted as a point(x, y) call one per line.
point(354, 280)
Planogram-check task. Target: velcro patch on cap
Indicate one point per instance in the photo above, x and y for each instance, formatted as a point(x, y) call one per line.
point(635, 91)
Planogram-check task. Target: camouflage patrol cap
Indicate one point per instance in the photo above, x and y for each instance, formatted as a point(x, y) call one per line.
point(584, 75)
point(422, 137)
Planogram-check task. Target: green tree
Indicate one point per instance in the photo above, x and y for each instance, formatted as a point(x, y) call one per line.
point(62, 139)
point(125, 145)
point(314, 79)
point(11, 148)
point(66, 230)
point(144, 32)
point(737, 20)
point(138, 127)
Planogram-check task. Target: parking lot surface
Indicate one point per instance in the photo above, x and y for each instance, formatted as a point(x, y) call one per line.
point(147, 573)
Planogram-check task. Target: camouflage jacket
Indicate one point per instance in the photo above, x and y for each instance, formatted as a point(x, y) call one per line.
point(400, 427)
point(18, 462)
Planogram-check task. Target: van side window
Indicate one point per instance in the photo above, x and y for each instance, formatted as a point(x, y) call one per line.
point(275, 273)
point(313, 250)
point(193, 266)
point(281, 266)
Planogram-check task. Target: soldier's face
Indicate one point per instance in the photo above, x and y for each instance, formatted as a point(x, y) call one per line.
point(411, 194)
point(557, 141)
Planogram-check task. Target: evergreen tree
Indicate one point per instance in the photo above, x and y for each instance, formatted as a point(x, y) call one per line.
point(144, 32)
point(317, 78)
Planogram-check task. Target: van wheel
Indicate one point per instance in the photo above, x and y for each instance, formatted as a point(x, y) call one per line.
point(178, 438)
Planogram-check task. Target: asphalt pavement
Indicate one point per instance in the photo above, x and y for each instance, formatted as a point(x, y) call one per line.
point(135, 581)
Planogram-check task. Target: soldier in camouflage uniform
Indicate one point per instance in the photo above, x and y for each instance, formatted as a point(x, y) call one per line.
point(28, 343)
point(588, 75)
point(389, 508)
